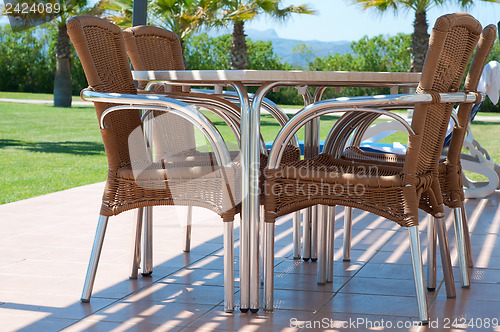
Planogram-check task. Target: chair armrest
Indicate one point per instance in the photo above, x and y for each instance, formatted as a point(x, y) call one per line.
point(267, 104)
point(356, 104)
point(227, 111)
point(163, 104)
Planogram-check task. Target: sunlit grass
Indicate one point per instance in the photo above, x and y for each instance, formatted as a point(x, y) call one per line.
point(31, 96)
point(44, 149)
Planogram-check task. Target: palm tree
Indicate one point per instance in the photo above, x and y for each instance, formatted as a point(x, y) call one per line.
point(420, 38)
point(67, 9)
point(62, 79)
point(183, 17)
point(238, 12)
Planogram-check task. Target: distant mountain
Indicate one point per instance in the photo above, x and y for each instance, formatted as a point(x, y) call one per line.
point(283, 47)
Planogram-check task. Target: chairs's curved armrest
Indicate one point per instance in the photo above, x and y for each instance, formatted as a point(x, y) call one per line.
point(348, 124)
point(268, 105)
point(287, 132)
point(455, 119)
point(356, 104)
point(356, 123)
point(164, 104)
point(228, 112)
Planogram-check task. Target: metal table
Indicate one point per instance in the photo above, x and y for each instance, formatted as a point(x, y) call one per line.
point(250, 129)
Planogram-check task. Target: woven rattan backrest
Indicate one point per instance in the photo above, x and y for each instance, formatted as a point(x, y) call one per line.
point(152, 48)
point(101, 49)
point(484, 47)
point(451, 44)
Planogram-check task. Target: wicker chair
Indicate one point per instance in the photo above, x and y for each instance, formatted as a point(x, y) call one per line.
point(154, 48)
point(134, 180)
point(449, 171)
point(387, 191)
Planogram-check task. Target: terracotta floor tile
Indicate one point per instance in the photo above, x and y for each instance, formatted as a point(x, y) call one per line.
point(477, 292)
point(278, 320)
point(95, 325)
point(26, 283)
point(304, 282)
point(199, 277)
point(373, 304)
point(379, 286)
point(386, 270)
point(44, 255)
point(298, 266)
point(20, 320)
point(151, 313)
point(300, 300)
point(460, 311)
point(57, 306)
point(44, 268)
point(485, 276)
point(335, 321)
point(179, 293)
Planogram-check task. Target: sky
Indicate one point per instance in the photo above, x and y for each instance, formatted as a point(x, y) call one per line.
point(337, 20)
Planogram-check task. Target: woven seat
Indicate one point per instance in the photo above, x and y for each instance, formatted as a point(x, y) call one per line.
point(134, 180)
point(394, 194)
point(449, 171)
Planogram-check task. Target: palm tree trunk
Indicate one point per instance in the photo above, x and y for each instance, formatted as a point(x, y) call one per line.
point(183, 51)
point(239, 55)
point(419, 41)
point(62, 80)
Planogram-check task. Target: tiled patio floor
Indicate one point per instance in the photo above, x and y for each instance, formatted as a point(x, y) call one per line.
point(45, 244)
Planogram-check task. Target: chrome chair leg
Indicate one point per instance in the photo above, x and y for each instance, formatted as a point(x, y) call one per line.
point(347, 232)
point(460, 236)
point(418, 272)
point(330, 231)
point(261, 244)
point(470, 259)
point(431, 254)
point(445, 257)
point(189, 222)
point(94, 258)
point(268, 266)
point(314, 234)
point(147, 243)
point(296, 235)
point(228, 266)
point(306, 234)
point(136, 261)
point(322, 239)
point(244, 267)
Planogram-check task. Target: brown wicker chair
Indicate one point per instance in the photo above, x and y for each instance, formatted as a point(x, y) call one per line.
point(154, 48)
point(390, 192)
point(134, 180)
point(449, 171)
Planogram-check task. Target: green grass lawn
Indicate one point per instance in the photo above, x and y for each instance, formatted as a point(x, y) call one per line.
point(44, 149)
point(31, 96)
